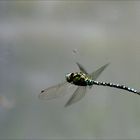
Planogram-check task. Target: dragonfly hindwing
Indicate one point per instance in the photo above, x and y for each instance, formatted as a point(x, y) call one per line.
point(77, 95)
point(94, 75)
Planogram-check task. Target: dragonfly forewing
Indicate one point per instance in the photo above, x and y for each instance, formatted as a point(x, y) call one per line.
point(82, 69)
point(56, 91)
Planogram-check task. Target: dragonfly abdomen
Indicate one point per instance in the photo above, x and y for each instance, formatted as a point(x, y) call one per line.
point(115, 86)
point(81, 79)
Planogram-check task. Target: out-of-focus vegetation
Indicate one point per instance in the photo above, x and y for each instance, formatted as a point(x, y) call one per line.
point(37, 39)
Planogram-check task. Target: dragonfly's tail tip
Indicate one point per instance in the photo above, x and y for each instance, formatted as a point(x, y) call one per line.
point(138, 93)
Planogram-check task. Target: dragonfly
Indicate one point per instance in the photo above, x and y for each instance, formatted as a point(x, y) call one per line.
point(82, 80)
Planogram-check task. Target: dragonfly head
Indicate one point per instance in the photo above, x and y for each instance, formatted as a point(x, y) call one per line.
point(69, 77)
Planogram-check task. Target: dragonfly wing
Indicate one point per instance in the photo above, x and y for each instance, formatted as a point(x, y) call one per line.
point(77, 95)
point(82, 69)
point(96, 73)
point(56, 91)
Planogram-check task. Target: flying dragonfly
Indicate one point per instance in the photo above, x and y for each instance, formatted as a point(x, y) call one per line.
point(82, 80)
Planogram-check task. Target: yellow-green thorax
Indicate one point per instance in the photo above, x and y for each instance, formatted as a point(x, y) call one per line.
point(79, 78)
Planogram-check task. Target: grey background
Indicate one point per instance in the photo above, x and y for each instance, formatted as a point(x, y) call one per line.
point(37, 39)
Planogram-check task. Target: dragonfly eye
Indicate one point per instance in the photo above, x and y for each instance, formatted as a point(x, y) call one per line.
point(69, 77)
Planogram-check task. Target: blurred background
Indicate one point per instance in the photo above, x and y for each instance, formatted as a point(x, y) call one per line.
point(40, 41)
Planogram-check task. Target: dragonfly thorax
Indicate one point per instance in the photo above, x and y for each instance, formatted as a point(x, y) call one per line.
point(78, 78)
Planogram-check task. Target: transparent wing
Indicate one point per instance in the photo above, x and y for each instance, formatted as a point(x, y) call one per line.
point(82, 69)
point(77, 95)
point(94, 75)
point(56, 91)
